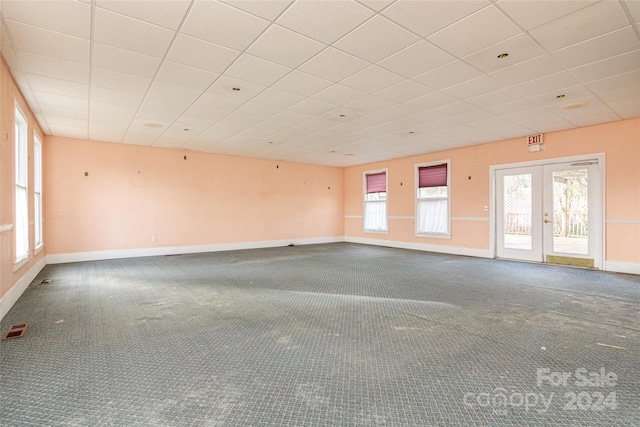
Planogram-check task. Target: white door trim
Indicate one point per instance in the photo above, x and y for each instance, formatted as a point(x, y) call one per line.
point(600, 157)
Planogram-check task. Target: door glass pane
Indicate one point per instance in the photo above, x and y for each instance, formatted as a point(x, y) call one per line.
point(517, 212)
point(570, 208)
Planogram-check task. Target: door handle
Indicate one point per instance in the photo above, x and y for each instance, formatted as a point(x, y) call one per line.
point(546, 221)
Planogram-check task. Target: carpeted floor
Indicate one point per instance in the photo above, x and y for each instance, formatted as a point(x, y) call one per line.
point(323, 335)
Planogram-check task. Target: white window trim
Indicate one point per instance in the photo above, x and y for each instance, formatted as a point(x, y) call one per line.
point(446, 235)
point(19, 116)
point(364, 194)
point(38, 217)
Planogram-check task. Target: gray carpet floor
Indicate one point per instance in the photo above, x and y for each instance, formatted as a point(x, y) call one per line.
point(323, 335)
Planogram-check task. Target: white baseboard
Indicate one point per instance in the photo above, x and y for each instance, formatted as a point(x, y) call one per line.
point(622, 267)
point(18, 289)
point(177, 250)
point(454, 250)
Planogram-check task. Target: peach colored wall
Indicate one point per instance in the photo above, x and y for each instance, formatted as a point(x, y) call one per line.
point(9, 95)
point(620, 141)
point(133, 193)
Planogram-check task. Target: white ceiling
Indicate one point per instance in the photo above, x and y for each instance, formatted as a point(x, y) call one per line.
point(328, 82)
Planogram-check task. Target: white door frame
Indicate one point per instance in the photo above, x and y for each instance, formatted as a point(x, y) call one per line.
point(599, 157)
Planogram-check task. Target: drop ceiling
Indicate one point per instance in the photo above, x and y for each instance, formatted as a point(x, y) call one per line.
point(324, 82)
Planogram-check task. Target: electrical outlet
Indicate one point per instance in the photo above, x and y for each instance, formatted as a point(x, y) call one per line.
point(154, 239)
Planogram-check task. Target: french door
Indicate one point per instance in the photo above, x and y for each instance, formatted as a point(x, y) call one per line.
point(550, 213)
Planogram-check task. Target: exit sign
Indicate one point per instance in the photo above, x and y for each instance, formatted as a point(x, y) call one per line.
point(534, 139)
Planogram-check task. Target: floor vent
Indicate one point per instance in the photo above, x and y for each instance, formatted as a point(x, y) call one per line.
point(45, 282)
point(16, 331)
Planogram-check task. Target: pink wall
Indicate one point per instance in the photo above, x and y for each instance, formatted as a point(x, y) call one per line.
point(132, 193)
point(9, 95)
point(620, 141)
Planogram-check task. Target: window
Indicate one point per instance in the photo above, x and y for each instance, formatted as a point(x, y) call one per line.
point(37, 191)
point(21, 221)
point(432, 206)
point(375, 201)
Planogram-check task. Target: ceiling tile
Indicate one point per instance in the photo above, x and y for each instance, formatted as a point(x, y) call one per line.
point(620, 81)
point(628, 109)
point(170, 15)
point(267, 9)
point(302, 84)
point(525, 71)
point(478, 31)
point(473, 117)
point(67, 17)
point(634, 9)
point(159, 110)
point(376, 5)
point(284, 47)
point(225, 84)
point(277, 98)
point(571, 94)
point(605, 46)
point(59, 86)
point(431, 101)
point(48, 43)
point(198, 53)
point(531, 14)
point(472, 88)
point(124, 61)
point(631, 93)
point(339, 95)
point(520, 48)
point(182, 96)
point(119, 81)
point(498, 97)
point(513, 107)
point(605, 117)
point(554, 82)
point(312, 107)
point(427, 17)
point(450, 110)
point(256, 70)
point(372, 79)
point(130, 34)
point(333, 65)
point(617, 65)
point(215, 102)
point(594, 107)
point(501, 127)
point(324, 21)
point(540, 120)
point(116, 112)
point(416, 59)
point(69, 131)
point(221, 24)
point(448, 75)
point(258, 110)
point(112, 96)
point(405, 91)
point(54, 110)
point(370, 104)
point(376, 39)
point(290, 118)
point(172, 72)
point(592, 21)
point(61, 100)
point(111, 114)
point(393, 113)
